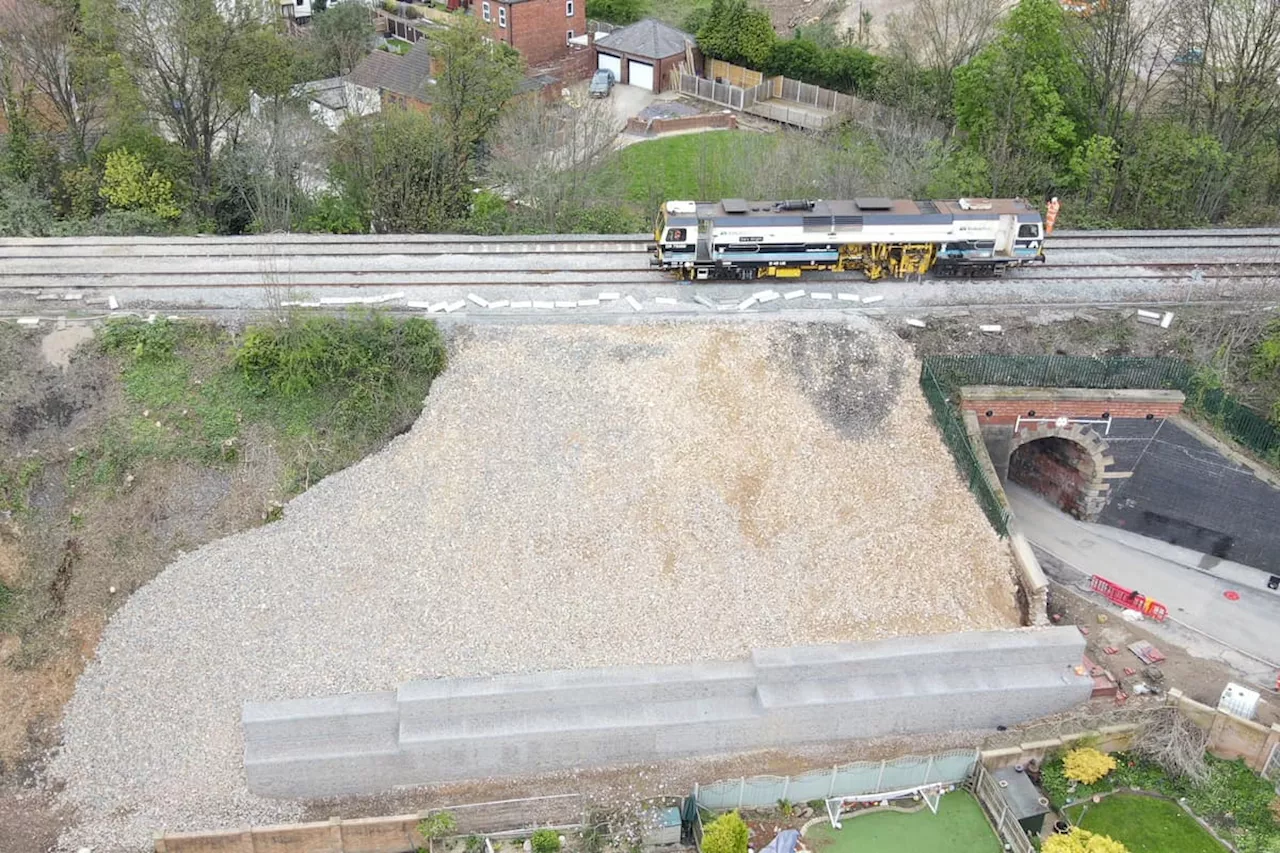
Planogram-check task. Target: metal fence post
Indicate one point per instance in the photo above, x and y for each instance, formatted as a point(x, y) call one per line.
point(880, 778)
point(927, 771)
point(786, 786)
point(831, 789)
point(742, 790)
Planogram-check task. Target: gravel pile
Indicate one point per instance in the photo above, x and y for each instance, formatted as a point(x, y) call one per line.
point(572, 496)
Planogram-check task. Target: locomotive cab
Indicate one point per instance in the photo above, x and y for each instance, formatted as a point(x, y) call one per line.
point(676, 235)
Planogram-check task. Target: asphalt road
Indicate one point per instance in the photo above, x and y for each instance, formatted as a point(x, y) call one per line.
point(1202, 619)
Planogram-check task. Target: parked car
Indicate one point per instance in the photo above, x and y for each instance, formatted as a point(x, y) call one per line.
point(601, 83)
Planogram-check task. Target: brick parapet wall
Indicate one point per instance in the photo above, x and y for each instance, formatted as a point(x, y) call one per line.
point(1002, 405)
point(657, 126)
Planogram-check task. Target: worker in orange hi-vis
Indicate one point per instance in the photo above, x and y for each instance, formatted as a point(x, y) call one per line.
point(1051, 215)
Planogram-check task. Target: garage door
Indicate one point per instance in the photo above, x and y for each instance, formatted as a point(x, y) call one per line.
point(612, 63)
point(640, 74)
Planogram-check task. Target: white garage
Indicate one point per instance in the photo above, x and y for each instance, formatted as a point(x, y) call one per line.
point(612, 63)
point(640, 74)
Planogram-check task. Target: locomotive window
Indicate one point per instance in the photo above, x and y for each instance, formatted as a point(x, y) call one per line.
point(1029, 231)
point(675, 235)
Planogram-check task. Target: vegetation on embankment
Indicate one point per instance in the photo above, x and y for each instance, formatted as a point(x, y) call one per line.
point(160, 437)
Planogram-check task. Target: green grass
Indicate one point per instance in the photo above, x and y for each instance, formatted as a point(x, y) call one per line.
point(958, 827)
point(1145, 824)
point(694, 166)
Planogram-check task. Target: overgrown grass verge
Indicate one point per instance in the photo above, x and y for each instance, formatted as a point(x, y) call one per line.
point(328, 390)
point(1234, 800)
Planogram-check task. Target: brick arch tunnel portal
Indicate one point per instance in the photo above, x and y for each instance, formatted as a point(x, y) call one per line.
point(1062, 470)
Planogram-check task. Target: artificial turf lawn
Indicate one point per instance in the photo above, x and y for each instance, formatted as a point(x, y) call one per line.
point(958, 827)
point(1145, 824)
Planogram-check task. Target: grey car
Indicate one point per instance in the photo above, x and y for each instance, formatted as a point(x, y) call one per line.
point(601, 83)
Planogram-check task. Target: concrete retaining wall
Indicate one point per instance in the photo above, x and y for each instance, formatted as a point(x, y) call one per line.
point(429, 732)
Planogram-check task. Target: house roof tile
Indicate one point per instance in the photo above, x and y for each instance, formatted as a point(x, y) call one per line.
point(648, 38)
point(404, 75)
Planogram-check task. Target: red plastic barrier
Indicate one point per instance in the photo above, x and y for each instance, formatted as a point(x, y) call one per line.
point(1128, 598)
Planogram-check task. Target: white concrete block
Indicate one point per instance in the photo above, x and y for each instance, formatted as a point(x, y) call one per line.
point(1167, 320)
point(151, 318)
point(1150, 315)
point(455, 306)
point(848, 297)
point(28, 321)
point(631, 300)
point(566, 303)
point(868, 300)
point(746, 303)
point(793, 294)
point(113, 303)
point(609, 296)
point(704, 301)
point(378, 300)
point(664, 300)
point(820, 296)
point(499, 303)
point(521, 303)
point(588, 303)
point(436, 308)
point(47, 297)
point(992, 329)
point(71, 297)
point(544, 303)
point(482, 302)
point(919, 324)
point(766, 296)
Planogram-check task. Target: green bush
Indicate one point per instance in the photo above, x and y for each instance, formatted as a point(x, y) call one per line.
point(620, 12)
point(545, 841)
point(726, 834)
point(140, 340)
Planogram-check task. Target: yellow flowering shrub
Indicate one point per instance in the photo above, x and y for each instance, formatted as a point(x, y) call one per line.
point(1087, 765)
point(1082, 841)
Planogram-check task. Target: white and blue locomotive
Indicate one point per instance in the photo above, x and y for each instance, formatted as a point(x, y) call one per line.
point(881, 237)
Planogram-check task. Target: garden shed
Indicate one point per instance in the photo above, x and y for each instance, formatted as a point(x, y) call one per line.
point(644, 54)
point(1026, 803)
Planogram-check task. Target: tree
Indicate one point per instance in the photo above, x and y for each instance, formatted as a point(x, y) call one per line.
point(190, 63)
point(735, 32)
point(1019, 99)
point(436, 826)
point(939, 36)
point(726, 834)
point(341, 37)
point(476, 79)
point(129, 184)
point(620, 12)
point(399, 167)
point(1087, 765)
point(46, 41)
point(1082, 841)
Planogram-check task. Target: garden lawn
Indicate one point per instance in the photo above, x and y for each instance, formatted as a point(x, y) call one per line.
point(1145, 824)
point(958, 827)
point(698, 166)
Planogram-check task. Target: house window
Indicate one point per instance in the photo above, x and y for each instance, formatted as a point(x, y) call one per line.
point(568, 39)
point(568, 8)
point(484, 11)
point(502, 16)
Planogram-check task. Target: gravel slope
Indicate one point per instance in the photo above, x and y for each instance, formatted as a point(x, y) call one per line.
point(571, 496)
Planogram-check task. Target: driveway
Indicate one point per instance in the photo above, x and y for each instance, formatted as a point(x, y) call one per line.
point(1244, 632)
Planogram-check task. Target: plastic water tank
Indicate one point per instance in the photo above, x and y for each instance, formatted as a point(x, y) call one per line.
point(1239, 701)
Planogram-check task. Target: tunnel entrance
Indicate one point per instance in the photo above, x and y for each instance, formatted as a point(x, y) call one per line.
point(1060, 470)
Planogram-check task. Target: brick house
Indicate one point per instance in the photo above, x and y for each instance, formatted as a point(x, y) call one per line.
point(399, 80)
point(539, 29)
point(645, 53)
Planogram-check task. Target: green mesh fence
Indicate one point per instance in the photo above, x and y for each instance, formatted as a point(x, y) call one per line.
point(943, 374)
point(947, 415)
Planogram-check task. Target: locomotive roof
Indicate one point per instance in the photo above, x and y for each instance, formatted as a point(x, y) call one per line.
point(866, 208)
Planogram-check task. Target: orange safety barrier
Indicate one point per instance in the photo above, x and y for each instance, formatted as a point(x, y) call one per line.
point(1128, 598)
